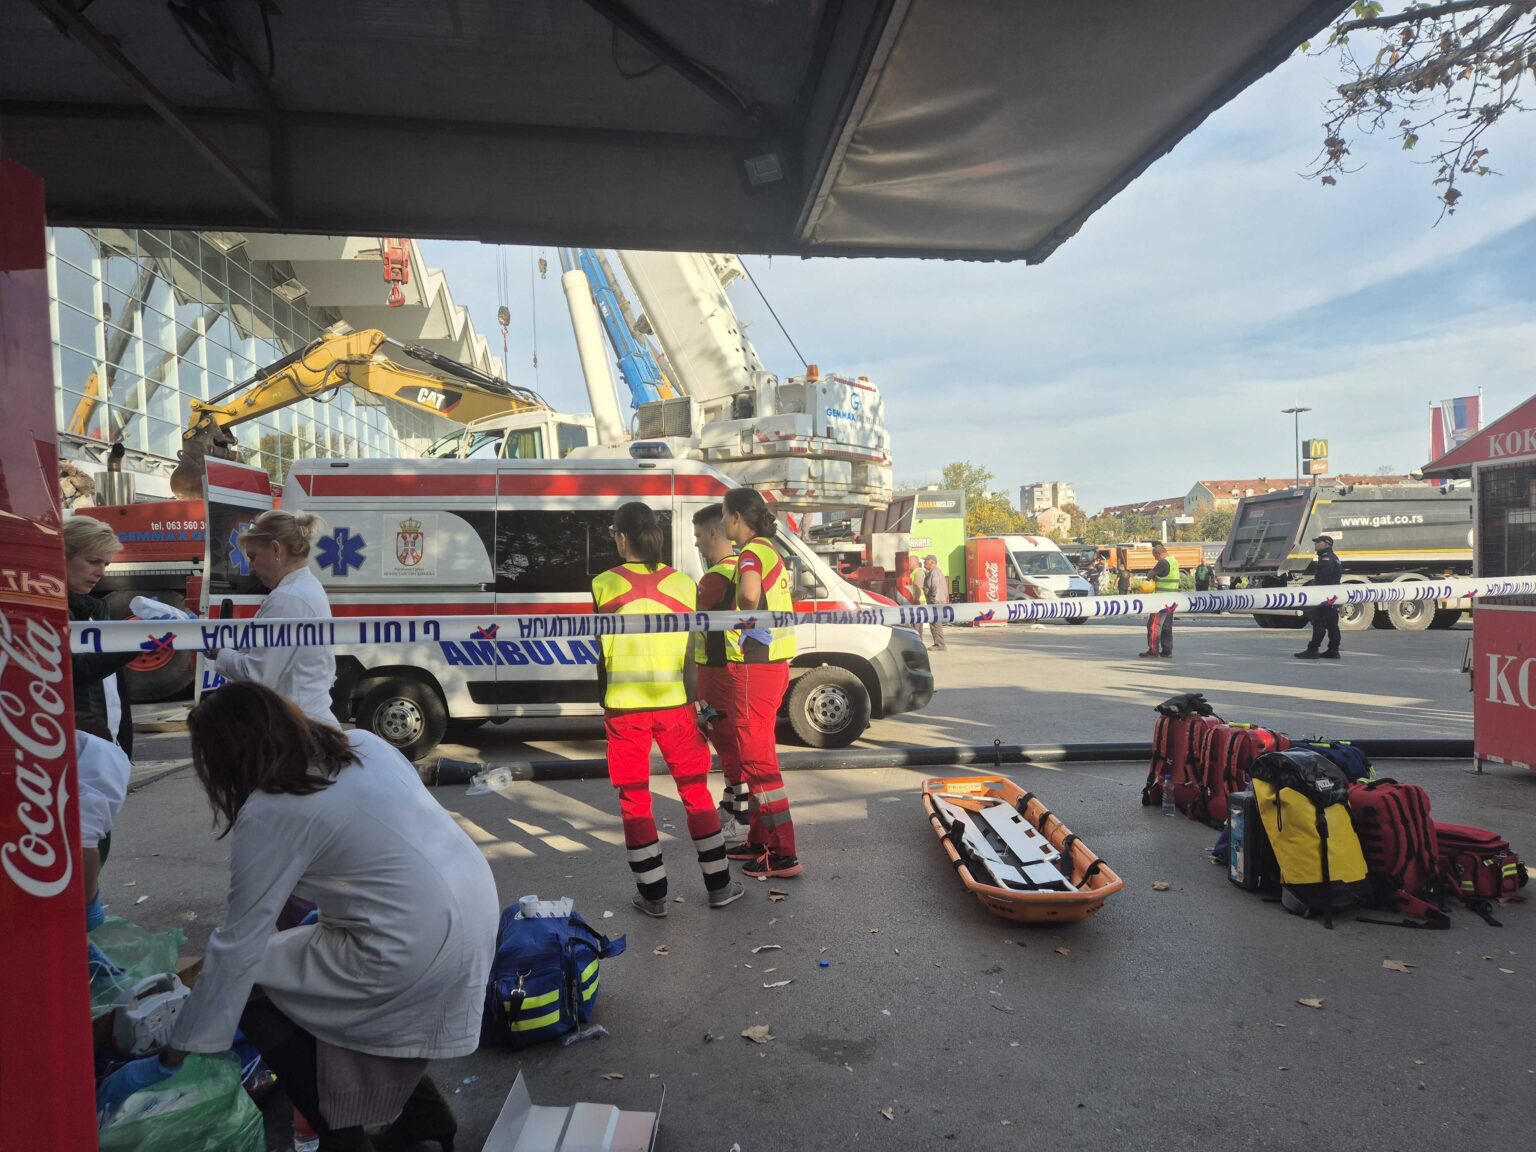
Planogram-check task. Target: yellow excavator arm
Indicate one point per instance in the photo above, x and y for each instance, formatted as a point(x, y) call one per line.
point(454, 391)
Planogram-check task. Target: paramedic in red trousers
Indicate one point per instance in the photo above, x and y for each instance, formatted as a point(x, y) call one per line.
point(643, 681)
point(1165, 575)
point(1325, 570)
point(935, 587)
point(717, 592)
point(758, 659)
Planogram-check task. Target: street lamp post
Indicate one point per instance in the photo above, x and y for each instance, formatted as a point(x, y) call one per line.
point(1295, 413)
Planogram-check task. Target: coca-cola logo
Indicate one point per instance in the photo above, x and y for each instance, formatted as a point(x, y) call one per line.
point(32, 707)
point(993, 579)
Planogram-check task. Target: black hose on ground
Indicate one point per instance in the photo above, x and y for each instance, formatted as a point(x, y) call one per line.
point(446, 772)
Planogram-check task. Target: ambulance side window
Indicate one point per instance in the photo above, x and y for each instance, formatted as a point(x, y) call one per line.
point(538, 552)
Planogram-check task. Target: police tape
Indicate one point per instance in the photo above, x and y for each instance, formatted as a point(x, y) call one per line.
point(160, 636)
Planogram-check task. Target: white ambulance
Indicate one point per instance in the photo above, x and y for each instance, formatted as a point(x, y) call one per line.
point(486, 538)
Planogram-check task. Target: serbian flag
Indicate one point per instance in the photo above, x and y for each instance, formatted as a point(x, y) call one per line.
point(1451, 422)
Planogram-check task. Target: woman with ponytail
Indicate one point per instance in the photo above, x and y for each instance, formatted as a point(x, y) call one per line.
point(758, 659)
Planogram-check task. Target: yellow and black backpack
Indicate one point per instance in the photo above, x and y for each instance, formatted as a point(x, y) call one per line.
point(1303, 800)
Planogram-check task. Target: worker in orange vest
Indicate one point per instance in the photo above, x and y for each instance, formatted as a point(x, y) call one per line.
point(645, 694)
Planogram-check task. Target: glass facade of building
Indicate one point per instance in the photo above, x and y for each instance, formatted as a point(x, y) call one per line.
point(146, 321)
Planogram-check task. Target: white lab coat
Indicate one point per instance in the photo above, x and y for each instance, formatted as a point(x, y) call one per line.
point(303, 675)
point(102, 781)
point(397, 964)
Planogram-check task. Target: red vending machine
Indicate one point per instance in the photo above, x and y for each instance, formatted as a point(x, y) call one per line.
point(986, 577)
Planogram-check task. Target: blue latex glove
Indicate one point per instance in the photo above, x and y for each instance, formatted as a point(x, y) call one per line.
point(310, 917)
point(130, 1078)
point(95, 914)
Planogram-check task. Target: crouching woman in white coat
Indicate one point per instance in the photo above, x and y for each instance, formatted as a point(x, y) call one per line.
point(348, 1010)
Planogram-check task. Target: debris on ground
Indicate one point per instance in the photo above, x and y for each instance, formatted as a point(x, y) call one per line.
point(1160, 885)
point(1311, 1001)
point(613, 1075)
point(659, 950)
point(888, 1113)
point(1397, 966)
point(758, 1034)
point(779, 984)
point(767, 948)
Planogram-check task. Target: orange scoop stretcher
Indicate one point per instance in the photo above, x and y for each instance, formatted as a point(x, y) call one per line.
point(1013, 853)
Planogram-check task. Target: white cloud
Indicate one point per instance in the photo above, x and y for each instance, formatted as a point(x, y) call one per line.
point(1157, 346)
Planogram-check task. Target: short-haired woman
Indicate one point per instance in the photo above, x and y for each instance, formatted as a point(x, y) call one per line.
point(277, 547)
point(646, 698)
point(347, 1011)
point(101, 698)
point(758, 660)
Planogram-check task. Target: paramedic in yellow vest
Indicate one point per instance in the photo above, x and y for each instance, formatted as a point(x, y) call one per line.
point(645, 697)
point(1165, 576)
point(758, 657)
point(717, 593)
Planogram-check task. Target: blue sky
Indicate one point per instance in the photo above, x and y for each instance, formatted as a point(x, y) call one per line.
point(1157, 346)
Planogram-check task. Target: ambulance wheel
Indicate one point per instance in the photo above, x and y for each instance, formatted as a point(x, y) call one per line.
point(154, 675)
point(407, 713)
point(828, 707)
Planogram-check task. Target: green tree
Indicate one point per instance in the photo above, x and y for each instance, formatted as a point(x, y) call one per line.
point(990, 516)
point(1452, 69)
point(1213, 522)
point(972, 479)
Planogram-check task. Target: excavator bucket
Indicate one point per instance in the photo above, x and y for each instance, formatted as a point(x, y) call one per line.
point(188, 478)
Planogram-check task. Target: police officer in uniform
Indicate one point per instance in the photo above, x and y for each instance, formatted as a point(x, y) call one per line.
point(1326, 570)
point(1165, 575)
point(645, 698)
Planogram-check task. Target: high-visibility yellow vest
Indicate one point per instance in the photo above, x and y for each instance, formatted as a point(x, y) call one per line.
point(709, 647)
point(1170, 582)
point(774, 645)
point(644, 672)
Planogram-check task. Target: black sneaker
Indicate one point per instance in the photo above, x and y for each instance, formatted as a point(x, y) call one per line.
point(1309, 654)
point(766, 866)
point(1331, 654)
point(1147, 655)
point(747, 851)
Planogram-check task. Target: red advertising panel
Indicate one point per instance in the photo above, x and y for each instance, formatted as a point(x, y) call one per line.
point(986, 573)
point(1504, 684)
point(46, 1093)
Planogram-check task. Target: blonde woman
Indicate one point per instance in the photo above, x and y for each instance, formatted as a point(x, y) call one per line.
point(277, 547)
point(101, 702)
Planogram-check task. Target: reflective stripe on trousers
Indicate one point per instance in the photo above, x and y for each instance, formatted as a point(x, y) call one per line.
point(756, 693)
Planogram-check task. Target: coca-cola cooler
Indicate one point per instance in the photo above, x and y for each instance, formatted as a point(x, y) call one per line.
point(986, 577)
point(1501, 460)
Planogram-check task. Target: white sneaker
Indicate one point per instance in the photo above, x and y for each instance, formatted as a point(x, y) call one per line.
point(734, 831)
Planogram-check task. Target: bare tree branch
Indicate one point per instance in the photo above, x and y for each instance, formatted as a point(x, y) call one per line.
point(1419, 15)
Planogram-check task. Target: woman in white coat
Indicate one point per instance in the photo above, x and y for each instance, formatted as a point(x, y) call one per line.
point(277, 547)
point(348, 1010)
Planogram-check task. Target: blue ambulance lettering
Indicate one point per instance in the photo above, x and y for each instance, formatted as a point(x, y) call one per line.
point(518, 653)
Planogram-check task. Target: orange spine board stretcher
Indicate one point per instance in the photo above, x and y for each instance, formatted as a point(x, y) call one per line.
point(1089, 879)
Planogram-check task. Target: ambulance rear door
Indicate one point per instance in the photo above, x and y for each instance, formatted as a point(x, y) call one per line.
point(237, 494)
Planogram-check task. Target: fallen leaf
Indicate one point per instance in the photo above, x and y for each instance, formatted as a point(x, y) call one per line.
point(779, 984)
point(613, 1075)
point(766, 948)
point(773, 921)
point(1063, 951)
point(1420, 1063)
point(1002, 1008)
point(758, 1034)
point(874, 931)
point(777, 892)
point(659, 950)
point(1311, 1001)
point(775, 898)
point(1397, 966)
point(819, 950)
point(888, 1113)
point(1160, 885)
point(677, 899)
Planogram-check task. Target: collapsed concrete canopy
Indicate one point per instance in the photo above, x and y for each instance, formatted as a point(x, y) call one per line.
point(955, 128)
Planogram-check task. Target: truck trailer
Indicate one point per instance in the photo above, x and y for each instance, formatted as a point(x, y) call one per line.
point(1381, 533)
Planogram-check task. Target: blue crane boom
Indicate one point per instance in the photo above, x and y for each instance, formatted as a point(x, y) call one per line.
point(637, 363)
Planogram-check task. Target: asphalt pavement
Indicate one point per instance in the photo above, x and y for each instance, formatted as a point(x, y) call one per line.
point(1169, 1020)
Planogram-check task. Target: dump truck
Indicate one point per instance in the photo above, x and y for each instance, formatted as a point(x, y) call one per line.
point(1381, 533)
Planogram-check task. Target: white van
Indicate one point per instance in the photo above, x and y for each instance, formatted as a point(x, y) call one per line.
point(1037, 569)
point(500, 537)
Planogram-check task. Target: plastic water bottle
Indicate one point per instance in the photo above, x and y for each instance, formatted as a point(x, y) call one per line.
point(1168, 808)
point(146, 608)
